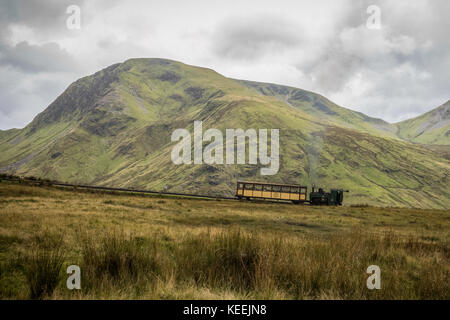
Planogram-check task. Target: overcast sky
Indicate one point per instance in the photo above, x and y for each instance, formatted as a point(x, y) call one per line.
point(395, 72)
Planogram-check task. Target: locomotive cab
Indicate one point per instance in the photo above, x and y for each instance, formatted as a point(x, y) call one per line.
point(333, 198)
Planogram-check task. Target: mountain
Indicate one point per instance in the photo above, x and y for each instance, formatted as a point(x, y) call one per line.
point(114, 128)
point(432, 127)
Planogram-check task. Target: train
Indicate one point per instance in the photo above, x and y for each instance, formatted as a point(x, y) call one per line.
point(244, 190)
point(289, 192)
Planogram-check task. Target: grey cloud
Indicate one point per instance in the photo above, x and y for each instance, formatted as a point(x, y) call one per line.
point(46, 17)
point(252, 37)
point(404, 66)
point(33, 74)
point(37, 58)
point(24, 95)
point(332, 68)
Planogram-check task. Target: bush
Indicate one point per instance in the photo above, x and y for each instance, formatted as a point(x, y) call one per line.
point(119, 260)
point(228, 259)
point(42, 265)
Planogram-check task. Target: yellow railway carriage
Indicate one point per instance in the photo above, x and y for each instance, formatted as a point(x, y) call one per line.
point(258, 190)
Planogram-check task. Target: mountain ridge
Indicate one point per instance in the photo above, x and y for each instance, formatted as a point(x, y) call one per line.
point(390, 127)
point(432, 127)
point(113, 128)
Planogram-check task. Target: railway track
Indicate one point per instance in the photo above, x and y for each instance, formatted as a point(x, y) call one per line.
point(186, 195)
point(127, 190)
point(56, 184)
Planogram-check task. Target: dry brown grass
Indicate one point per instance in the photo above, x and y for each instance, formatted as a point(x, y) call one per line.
point(168, 248)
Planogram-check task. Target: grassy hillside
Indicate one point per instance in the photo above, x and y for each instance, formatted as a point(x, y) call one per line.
point(113, 128)
point(323, 109)
point(432, 127)
point(5, 134)
point(145, 247)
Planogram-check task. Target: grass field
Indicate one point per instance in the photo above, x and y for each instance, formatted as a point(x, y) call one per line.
point(145, 247)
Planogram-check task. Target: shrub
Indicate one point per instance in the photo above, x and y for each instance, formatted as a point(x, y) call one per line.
point(119, 259)
point(42, 265)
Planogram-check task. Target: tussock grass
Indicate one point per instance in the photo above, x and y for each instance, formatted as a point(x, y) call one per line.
point(42, 264)
point(313, 268)
point(138, 248)
point(245, 264)
point(229, 260)
point(254, 265)
point(119, 260)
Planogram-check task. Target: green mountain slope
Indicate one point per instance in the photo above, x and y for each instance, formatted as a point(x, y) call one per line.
point(324, 109)
point(432, 127)
point(6, 134)
point(114, 128)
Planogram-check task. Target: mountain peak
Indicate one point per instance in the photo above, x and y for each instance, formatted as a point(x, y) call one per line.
point(432, 127)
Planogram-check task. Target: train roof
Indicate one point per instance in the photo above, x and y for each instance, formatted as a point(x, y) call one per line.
point(273, 184)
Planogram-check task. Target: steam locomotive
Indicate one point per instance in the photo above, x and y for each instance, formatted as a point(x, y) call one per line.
point(289, 192)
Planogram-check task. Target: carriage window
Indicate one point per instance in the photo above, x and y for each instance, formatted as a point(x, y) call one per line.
point(286, 189)
point(241, 186)
point(302, 190)
point(258, 187)
point(276, 188)
point(249, 186)
point(267, 188)
point(295, 190)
